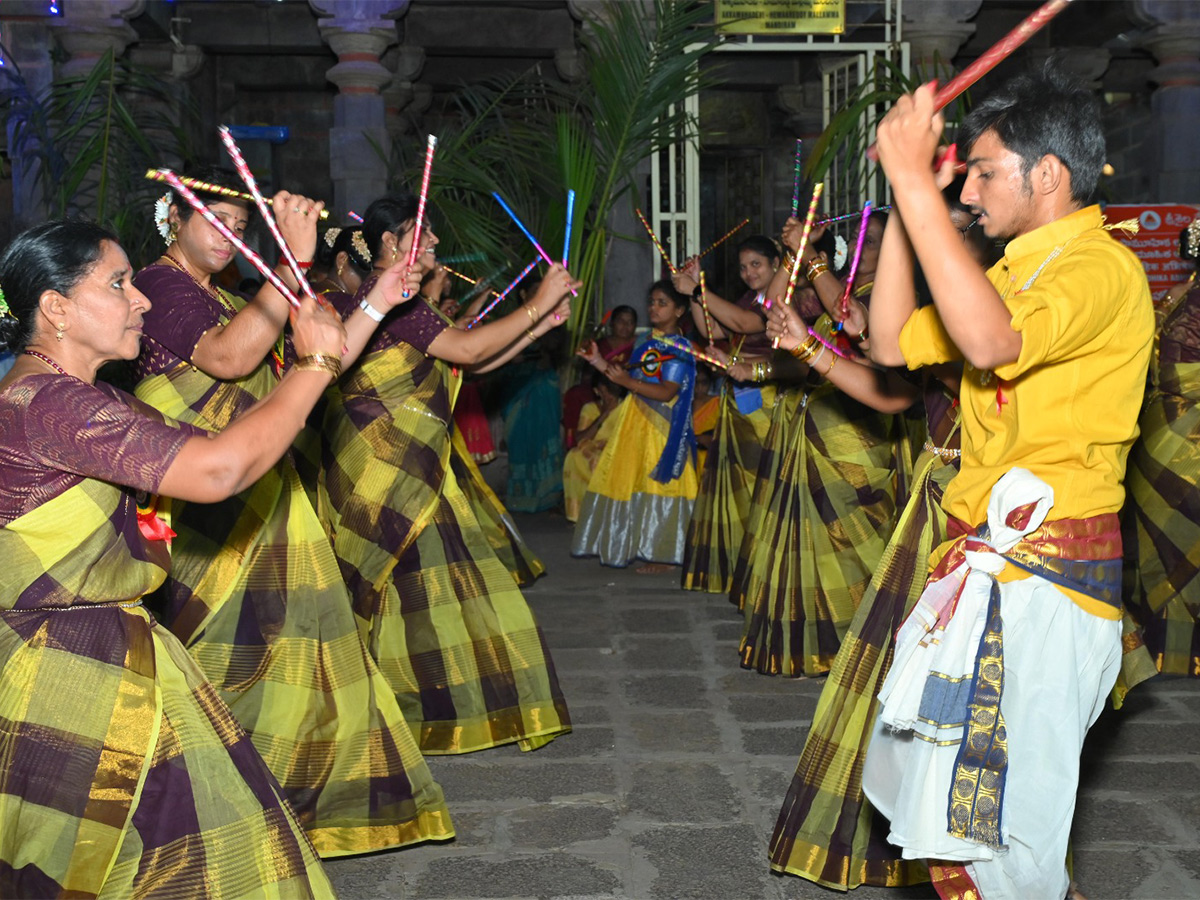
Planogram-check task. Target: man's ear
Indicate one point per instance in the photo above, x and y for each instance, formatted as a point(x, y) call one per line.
point(1050, 175)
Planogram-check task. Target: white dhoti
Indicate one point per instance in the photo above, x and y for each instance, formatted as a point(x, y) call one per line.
point(1007, 823)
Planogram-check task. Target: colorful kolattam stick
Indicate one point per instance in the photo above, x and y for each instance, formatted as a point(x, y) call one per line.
point(657, 243)
point(253, 258)
point(862, 236)
point(541, 251)
point(719, 241)
point(197, 184)
point(808, 222)
point(684, 345)
point(993, 56)
point(847, 216)
point(355, 216)
point(264, 209)
point(415, 248)
point(460, 275)
point(704, 306)
point(504, 293)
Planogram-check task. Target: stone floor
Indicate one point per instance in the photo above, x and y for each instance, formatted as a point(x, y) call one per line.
point(669, 785)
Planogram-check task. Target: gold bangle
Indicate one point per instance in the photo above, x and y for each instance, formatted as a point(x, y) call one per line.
point(804, 351)
point(529, 334)
point(862, 336)
point(814, 267)
point(833, 358)
point(533, 316)
point(319, 362)
point(789, 259)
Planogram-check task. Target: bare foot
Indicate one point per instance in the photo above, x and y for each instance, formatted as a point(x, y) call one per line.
point(655, 569)
point(1073, 892)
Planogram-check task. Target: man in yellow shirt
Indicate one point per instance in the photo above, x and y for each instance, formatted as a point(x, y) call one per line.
point(1008, 656)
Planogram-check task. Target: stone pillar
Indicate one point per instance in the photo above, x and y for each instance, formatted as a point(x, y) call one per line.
point(89, 28)
point(935, 29)
point(358, 31)
point(1175, 105)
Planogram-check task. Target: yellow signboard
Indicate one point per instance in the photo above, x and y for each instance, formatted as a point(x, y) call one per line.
point(781, 16)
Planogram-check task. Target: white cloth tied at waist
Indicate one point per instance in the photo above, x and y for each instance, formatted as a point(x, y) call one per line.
point(942, 633)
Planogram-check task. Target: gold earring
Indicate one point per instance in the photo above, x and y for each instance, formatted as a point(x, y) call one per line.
point(172, 234)
point(58, 335)
point(341, 269)
point(395, 250)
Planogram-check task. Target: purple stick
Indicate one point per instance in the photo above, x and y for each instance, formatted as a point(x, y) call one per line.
point(504, 293)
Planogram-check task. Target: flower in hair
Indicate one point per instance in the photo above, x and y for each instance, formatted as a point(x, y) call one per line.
point(331, 236)
point(162, 207)
point(4, 310)
point(840, 252)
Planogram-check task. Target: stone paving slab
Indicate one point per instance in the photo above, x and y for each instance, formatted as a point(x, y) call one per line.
point(670, 784)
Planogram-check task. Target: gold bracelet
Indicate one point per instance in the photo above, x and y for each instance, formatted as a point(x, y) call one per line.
point(529, 334)
point(804, 351)
point(789, 259)
point(533, 316)
point(814, 268)
point(833, 358)
point(768, 371)
point(319, 362)
point(862, 336)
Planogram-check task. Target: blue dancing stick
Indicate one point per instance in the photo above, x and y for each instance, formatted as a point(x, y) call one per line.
point(570, 218)
point(541, 252)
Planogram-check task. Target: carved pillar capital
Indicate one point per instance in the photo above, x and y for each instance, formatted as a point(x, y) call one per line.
point(90, 28)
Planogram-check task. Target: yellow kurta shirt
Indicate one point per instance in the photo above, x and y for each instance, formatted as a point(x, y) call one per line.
point(1067, 409)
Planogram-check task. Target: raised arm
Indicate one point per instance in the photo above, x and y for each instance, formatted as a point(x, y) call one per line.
point(212, 468)
point(233, 350)
point(894, 296)
point(727, 316)
point(481, 344)
point(972, 312)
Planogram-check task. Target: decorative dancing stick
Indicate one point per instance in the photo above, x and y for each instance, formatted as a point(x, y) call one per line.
point(570, 219)
point(157, 175)
point(704, 306)
point(862, 235)
point(657, 243)
point(504, 293)
point(463, 257)
point(796, 183)
point(848, 216)
point(415, 247)
point(264, 209)
point(465, 278)
point(992, 57)
point(719, 241)
point(355, 216)
point(541, 251)
point(689, 349)
point(808, 221)
point(253, 258)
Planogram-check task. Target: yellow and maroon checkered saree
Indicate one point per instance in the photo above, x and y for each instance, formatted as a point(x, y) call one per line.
point(124, 775)
point(442, 617)
point(257, 597)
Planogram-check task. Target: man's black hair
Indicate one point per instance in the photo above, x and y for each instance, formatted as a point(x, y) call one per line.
point(1044, 112)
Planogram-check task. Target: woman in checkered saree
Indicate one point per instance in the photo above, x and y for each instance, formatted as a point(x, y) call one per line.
point(255, 592)
point(451, 632)
point(124, 773)
point(1162, 521)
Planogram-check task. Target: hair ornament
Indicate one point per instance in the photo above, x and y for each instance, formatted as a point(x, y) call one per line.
point(841, 251)
point(359, 243)
point(1193, 238)
point(4, 310)
point(162, 206)
point(331, 236)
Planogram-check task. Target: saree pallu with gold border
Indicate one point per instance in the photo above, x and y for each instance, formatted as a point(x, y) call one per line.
point(1162, 521)
point(726, 483)
point(822, 534)
point(257, 597)
point(827, 832)
point(450, 631)
point(112, 740)
point(493, 517)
